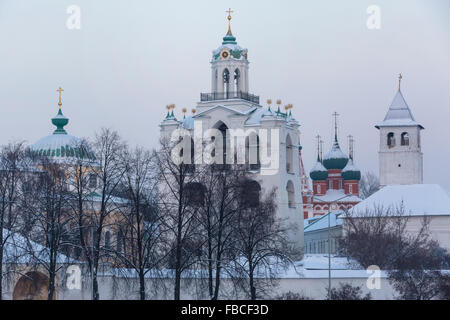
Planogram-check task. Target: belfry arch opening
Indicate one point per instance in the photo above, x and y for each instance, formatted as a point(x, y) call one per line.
point(226, 83)
point(405, 139)
point(390, 140)
point(237, 82)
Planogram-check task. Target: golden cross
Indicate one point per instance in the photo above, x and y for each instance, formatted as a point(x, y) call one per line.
point(400, 77)
point(59, 90)
point(229, 11)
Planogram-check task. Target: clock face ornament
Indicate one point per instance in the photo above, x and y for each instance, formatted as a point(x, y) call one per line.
point(225, 54)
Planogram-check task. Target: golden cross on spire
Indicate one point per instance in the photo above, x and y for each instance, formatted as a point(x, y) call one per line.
point(229, 11)
point(59, 102)
point(400, 77)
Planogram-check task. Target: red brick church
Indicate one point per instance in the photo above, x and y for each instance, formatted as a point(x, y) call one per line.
point(335, 180)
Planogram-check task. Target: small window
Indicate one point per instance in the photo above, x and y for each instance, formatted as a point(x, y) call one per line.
point(107, 240)
point(350, 189)
point(330, 184)
point(318, 188)
point(405, 139)
point(390, 140)
point(120, 239)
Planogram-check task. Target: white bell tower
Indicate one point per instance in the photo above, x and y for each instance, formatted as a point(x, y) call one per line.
point(229, 68)
point(400, 154)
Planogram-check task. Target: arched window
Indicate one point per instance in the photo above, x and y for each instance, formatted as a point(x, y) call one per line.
point(237, 81)
point(390, 140)
point(120, 239)
point(289, 155)
point(405, 139)
point(107, 240)
point(319, 189)
point(252, 158)
point(226, 83)
point(291, 194)
point(222, 127)
point(92, 180)
point(195, 194)
point(250, 194)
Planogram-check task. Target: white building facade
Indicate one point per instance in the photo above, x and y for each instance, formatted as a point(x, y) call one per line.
point(247, 126)
point(400, 154)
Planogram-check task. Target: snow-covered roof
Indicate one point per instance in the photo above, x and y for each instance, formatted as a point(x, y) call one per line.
point(321, 222)
point(415, 199)
point(335, 152)
point(187, 123)
point(333, 194)
point(19, 250)
point(318, 167)
point(350, 166)
point(398, 114)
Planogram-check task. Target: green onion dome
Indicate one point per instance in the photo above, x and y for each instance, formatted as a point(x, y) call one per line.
point(318, 172)
point(61, 146)
point(351, 172)
point(335, 159)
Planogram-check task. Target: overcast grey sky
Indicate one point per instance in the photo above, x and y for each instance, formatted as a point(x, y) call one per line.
point(131, 58)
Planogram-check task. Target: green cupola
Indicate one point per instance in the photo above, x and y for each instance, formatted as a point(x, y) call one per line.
point(318, 172)
point(60, 146)
point(335, 159)
point(351, 172)
point(59, 121)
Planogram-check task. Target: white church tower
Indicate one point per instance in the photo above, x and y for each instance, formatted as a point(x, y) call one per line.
point(230, 108)
point(400, 155)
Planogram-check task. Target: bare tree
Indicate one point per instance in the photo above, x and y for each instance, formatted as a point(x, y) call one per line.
point(178, 205)
point(142, 234)
point(346, 291)
point(47, 220)
point(417, 271)
point(12, 170)
point(261, 248)
point(107, 170)
point(413, 261)
point(368, 185)
point(218, 214)
point(377, 236)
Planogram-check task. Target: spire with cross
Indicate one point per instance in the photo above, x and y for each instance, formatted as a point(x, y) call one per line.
point(400, 77)
point(59, 102)
point(229, 11)
point(318, 147)
point(335, 116)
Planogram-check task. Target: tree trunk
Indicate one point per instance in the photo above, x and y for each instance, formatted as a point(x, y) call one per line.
point(142, 285)
point(252, 286)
